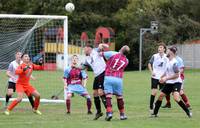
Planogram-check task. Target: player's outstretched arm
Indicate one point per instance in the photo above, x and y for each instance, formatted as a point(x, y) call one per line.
point(38, 67)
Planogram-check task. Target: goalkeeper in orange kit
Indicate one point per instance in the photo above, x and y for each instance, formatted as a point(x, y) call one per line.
point(24, 72)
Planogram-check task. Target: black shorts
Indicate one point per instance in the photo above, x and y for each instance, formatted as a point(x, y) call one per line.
point(98, 81)
point(155, 83)
point(168, 88)
point(12, 85)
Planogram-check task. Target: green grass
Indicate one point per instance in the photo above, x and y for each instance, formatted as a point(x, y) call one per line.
point(136, 94)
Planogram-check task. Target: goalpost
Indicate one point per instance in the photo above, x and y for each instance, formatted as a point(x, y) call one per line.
point(41, 36)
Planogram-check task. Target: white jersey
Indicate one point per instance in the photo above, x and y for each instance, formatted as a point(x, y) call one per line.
point(159, 64)
point(172, 68)
point(12, 67)
point(96, 62)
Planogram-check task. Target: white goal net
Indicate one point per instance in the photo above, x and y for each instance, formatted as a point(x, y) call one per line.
point(41, 37)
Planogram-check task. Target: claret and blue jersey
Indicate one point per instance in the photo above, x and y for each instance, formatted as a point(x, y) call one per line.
point(116, 63)
point(74, 77)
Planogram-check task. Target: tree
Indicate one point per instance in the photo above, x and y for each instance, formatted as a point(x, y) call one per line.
point(179, 20)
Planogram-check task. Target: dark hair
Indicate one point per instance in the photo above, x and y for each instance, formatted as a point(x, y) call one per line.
point(173, 49)
point(89, 45)
point(161, 43)
point(24, 54)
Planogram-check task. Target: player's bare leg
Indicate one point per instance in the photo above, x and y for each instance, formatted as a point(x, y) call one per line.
point(36, 94)
point(120, 104)
point(14, 103)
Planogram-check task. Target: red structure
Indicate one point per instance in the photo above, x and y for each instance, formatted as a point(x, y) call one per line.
point(104, 35)
point(84, 37)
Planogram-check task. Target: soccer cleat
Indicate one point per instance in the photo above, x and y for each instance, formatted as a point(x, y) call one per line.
point(68, 113)
point(123, 116)
point(189, 114)
point(154, 115)
point(98, 115)
point(167, 106)
point(151, 111)
point(37, 112)
point(89, 113)
point(7, 112)
point(108, 116)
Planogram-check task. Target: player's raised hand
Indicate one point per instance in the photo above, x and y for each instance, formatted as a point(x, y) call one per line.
point(103, 46)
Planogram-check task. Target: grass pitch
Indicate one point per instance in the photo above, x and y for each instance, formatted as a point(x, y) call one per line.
point(136, 94)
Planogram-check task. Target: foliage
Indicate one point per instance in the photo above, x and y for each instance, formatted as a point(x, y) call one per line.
point(179, 20)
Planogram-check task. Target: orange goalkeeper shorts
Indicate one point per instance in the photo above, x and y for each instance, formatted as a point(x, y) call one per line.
point(28, 89)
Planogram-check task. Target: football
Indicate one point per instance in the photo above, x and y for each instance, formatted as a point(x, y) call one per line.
point(69, 7)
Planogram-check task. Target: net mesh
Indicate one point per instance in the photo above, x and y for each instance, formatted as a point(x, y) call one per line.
point(41, 39)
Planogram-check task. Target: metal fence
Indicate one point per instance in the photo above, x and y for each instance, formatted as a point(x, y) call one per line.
point(190, 53)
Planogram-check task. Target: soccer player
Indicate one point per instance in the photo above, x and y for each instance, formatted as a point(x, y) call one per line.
point(182, 94)
point(13, 78)
point(113, 83)
point(98, 65)
point(24, 72)
point(157, 66)
point(173, 83)
point(75, 81)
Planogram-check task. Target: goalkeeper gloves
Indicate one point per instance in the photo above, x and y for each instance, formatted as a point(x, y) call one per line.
point(27, 67)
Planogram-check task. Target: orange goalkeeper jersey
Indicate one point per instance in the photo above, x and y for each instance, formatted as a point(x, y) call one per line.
point(24, 76)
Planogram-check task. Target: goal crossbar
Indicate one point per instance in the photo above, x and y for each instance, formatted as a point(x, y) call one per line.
point(32, 16)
